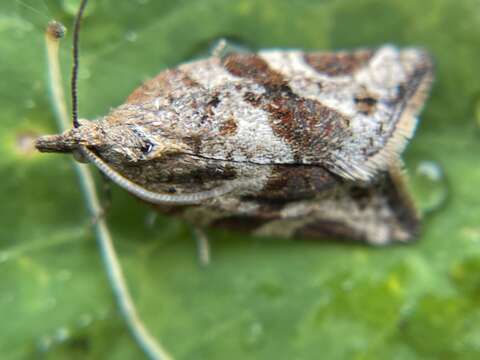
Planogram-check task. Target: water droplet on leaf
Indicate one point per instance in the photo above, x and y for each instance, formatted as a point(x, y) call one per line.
point(85, 320)
point(62, 334)
point(25, 143)
point(4, 255)
point(131, 36)
point(429, 186)
point(255, 334)
point(45, 343)
point(84, 74)
point(470, 233)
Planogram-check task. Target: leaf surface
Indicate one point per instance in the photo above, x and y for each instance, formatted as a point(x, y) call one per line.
point(260, 298)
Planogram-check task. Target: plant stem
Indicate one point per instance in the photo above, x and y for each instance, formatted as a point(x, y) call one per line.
point(151, 347)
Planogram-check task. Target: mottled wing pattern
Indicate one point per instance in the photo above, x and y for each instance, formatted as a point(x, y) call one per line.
point(319, 133)
point(352, 112)
point(379, 93)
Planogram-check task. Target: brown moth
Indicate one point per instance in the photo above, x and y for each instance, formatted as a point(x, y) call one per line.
point(275, 143)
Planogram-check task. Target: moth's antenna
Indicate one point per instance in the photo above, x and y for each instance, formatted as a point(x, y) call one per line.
point(152, 348)
point(76, 38)
point(113, 175)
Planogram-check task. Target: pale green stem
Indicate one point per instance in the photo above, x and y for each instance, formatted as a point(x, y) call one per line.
point(145, 340)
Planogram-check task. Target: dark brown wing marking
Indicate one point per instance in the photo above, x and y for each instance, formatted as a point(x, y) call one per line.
point(252, 66)
point(337, 64)
point(307, 125)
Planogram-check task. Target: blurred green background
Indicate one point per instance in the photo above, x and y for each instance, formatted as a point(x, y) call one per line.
point(260, 298)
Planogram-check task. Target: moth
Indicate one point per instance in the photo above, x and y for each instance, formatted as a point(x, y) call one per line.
point(280, 143)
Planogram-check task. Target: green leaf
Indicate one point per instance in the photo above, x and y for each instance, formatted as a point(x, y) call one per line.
point(260, 298)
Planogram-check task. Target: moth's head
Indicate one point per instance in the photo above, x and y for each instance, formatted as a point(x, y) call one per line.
point(122, 143)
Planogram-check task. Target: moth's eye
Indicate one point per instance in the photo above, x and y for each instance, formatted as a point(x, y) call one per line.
point(147, 148)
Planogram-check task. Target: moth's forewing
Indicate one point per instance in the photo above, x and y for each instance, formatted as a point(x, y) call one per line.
point(314, 135)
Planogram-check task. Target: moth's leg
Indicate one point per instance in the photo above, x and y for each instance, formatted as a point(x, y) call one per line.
point(223, 48)
point(106, 200)
point(107, 194)
point(203, 246)
point(219, 48)
point(151, 218)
